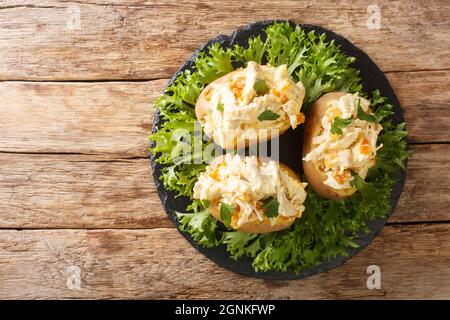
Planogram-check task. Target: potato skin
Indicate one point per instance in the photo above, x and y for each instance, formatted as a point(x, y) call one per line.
point(202, 106)
point(312, 128)
point(255, 225)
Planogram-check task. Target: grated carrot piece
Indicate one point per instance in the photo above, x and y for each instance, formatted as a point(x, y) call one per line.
point(365, 149)
point(300, 118)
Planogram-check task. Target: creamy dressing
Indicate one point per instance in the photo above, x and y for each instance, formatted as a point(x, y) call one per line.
point(244, 182)
point(235, 105)
point(355, 150)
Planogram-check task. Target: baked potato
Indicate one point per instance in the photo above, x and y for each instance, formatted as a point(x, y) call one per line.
point(265, 195)
point(250, 105)
point(340, 140)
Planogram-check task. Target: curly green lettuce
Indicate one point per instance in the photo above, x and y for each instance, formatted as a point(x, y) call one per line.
point(328, 227)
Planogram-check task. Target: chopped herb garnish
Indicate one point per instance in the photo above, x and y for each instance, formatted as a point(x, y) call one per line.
point(338, 124)
point(364, 116)
point(260, 87)
point(270, 207)
point(268, 115)
point(220, 106)
point(205, 203)
point(225, 213)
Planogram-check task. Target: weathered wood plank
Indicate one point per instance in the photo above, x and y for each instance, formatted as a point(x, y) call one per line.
point(89, 118)
point(72, 191)
point(148, 39)
point(427, 189)
point(38, 191)
point(115, 117)
point(143, 264)
point(425, 99)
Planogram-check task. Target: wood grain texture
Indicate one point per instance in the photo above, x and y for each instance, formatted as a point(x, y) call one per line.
point(73, 191)
point(141, 264)
point(60, 191)
point(427, 189)
point(114, 118)
point(425, 99)
point(142, 39)
point(88, 118)
point(76, 192)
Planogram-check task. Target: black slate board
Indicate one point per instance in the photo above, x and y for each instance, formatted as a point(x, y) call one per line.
point(290, 149)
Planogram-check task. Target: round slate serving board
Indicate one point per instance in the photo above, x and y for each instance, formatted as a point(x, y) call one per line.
point(290, 145)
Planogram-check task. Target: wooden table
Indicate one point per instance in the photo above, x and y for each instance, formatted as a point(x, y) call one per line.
point(79, 213)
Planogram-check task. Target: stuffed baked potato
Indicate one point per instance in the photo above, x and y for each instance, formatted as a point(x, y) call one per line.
point(250, 105)
point(340, 141)
point(251, 194)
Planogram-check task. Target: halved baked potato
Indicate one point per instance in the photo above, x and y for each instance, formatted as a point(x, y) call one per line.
point(255, 222)
point(314, 176)
point(250, 105)
point(362, 138)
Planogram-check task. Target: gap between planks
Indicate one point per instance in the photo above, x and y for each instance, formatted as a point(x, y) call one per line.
point(104, 157)
point(388, 224)
point(168, 77)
